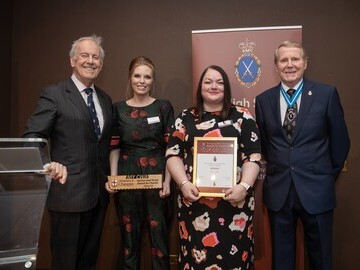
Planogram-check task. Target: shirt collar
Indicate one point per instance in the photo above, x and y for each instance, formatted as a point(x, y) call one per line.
point(79, 85)
point(285, 87)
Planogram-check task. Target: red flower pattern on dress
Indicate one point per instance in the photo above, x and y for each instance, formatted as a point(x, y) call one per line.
point(213, 267)
point(221, 221)
point(128, 227)
point(199, 255)
point(182, 230)
point(210, 240)
point(127, 222)
point(244, 255)
point(143, 114)
point(153, 162)
point(157, 252)
point(143, 161)
point(212, 202)
point(213, 133)
point(251, 231)
point(240, 222)
point(153, 223)
point(135, 135)
point(134, 114)
point(126, 219)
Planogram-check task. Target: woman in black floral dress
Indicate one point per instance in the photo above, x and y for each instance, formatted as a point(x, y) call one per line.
point(215, 233)
point(143, 126)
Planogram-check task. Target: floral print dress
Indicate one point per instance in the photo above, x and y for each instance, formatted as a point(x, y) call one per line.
point(142, 134)
point(213, 233)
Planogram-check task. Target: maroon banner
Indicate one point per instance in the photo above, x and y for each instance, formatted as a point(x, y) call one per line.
point(246, 54)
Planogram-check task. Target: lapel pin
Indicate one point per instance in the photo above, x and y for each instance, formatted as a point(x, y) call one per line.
point(310, 93)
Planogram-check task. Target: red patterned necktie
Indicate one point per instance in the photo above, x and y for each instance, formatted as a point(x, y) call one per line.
point(290, 116)
point(91, 108)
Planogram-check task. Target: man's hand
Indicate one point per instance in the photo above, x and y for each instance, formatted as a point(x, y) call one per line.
point(56, 171)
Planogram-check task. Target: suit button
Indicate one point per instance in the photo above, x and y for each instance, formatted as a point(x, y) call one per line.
point(292, 168)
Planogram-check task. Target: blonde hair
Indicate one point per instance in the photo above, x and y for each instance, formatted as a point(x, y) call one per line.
point(139, 61)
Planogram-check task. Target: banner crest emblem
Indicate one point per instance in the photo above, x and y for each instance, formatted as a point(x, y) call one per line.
point(248, 66)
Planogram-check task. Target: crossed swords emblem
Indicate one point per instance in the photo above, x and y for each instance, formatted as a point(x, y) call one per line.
point(247, 71)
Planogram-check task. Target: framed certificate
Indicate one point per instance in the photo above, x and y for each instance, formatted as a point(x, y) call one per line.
point(138, 181)
point(215, 162)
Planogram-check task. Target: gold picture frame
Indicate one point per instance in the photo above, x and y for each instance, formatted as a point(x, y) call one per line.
point(215, 165)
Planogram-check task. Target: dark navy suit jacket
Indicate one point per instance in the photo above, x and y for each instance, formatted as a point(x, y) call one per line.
point(312, 159)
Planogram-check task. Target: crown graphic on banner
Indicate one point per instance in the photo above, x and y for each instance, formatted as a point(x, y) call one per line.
point(246, 46)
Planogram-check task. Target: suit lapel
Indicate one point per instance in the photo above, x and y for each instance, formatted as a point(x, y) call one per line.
point(76, 98)
point(307, 97)
point(275, 105)
point(104, 108)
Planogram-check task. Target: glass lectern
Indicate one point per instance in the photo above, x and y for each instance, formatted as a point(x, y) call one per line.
point(23, 190)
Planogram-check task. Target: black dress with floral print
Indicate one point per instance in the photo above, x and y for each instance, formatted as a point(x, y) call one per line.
point(142, 135)
point(213, 233)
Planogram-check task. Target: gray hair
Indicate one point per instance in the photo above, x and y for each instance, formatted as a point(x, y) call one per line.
point(289, 44)
point(94, 38)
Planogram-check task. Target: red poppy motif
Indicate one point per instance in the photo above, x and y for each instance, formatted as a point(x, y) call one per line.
point(128, 227)
point(153, 223)
point(166, 138)
point(183, 231)
point(199, 255)
point(244, 256)
point(213, 133)
point(210, 240)
point(153, 162)
point(211, 202)
point(240, 222)
point(134, 114)
point(143, 161)
point(157, 252)
point(126, 219)
point(213, 267)
point(135, 135)
point(250, 231)
point(143, 113)
point(221, 221)
point(179, 134)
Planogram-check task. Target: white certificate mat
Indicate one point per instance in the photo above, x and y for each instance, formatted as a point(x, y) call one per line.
point(213, 170)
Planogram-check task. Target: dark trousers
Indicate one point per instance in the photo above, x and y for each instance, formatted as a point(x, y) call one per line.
point(75, 238)
point(317, 231)
point(134, 209)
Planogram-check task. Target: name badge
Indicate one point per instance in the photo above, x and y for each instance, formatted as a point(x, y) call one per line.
point(225, 123)
point(153, 120)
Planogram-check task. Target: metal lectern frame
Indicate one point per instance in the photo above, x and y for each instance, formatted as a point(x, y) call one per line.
point(23, 192)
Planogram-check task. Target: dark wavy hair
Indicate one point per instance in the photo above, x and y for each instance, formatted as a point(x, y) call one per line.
point(199, 107)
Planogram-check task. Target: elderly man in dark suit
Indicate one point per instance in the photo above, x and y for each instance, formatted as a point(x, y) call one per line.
point(305, 143)
point(76, 116)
